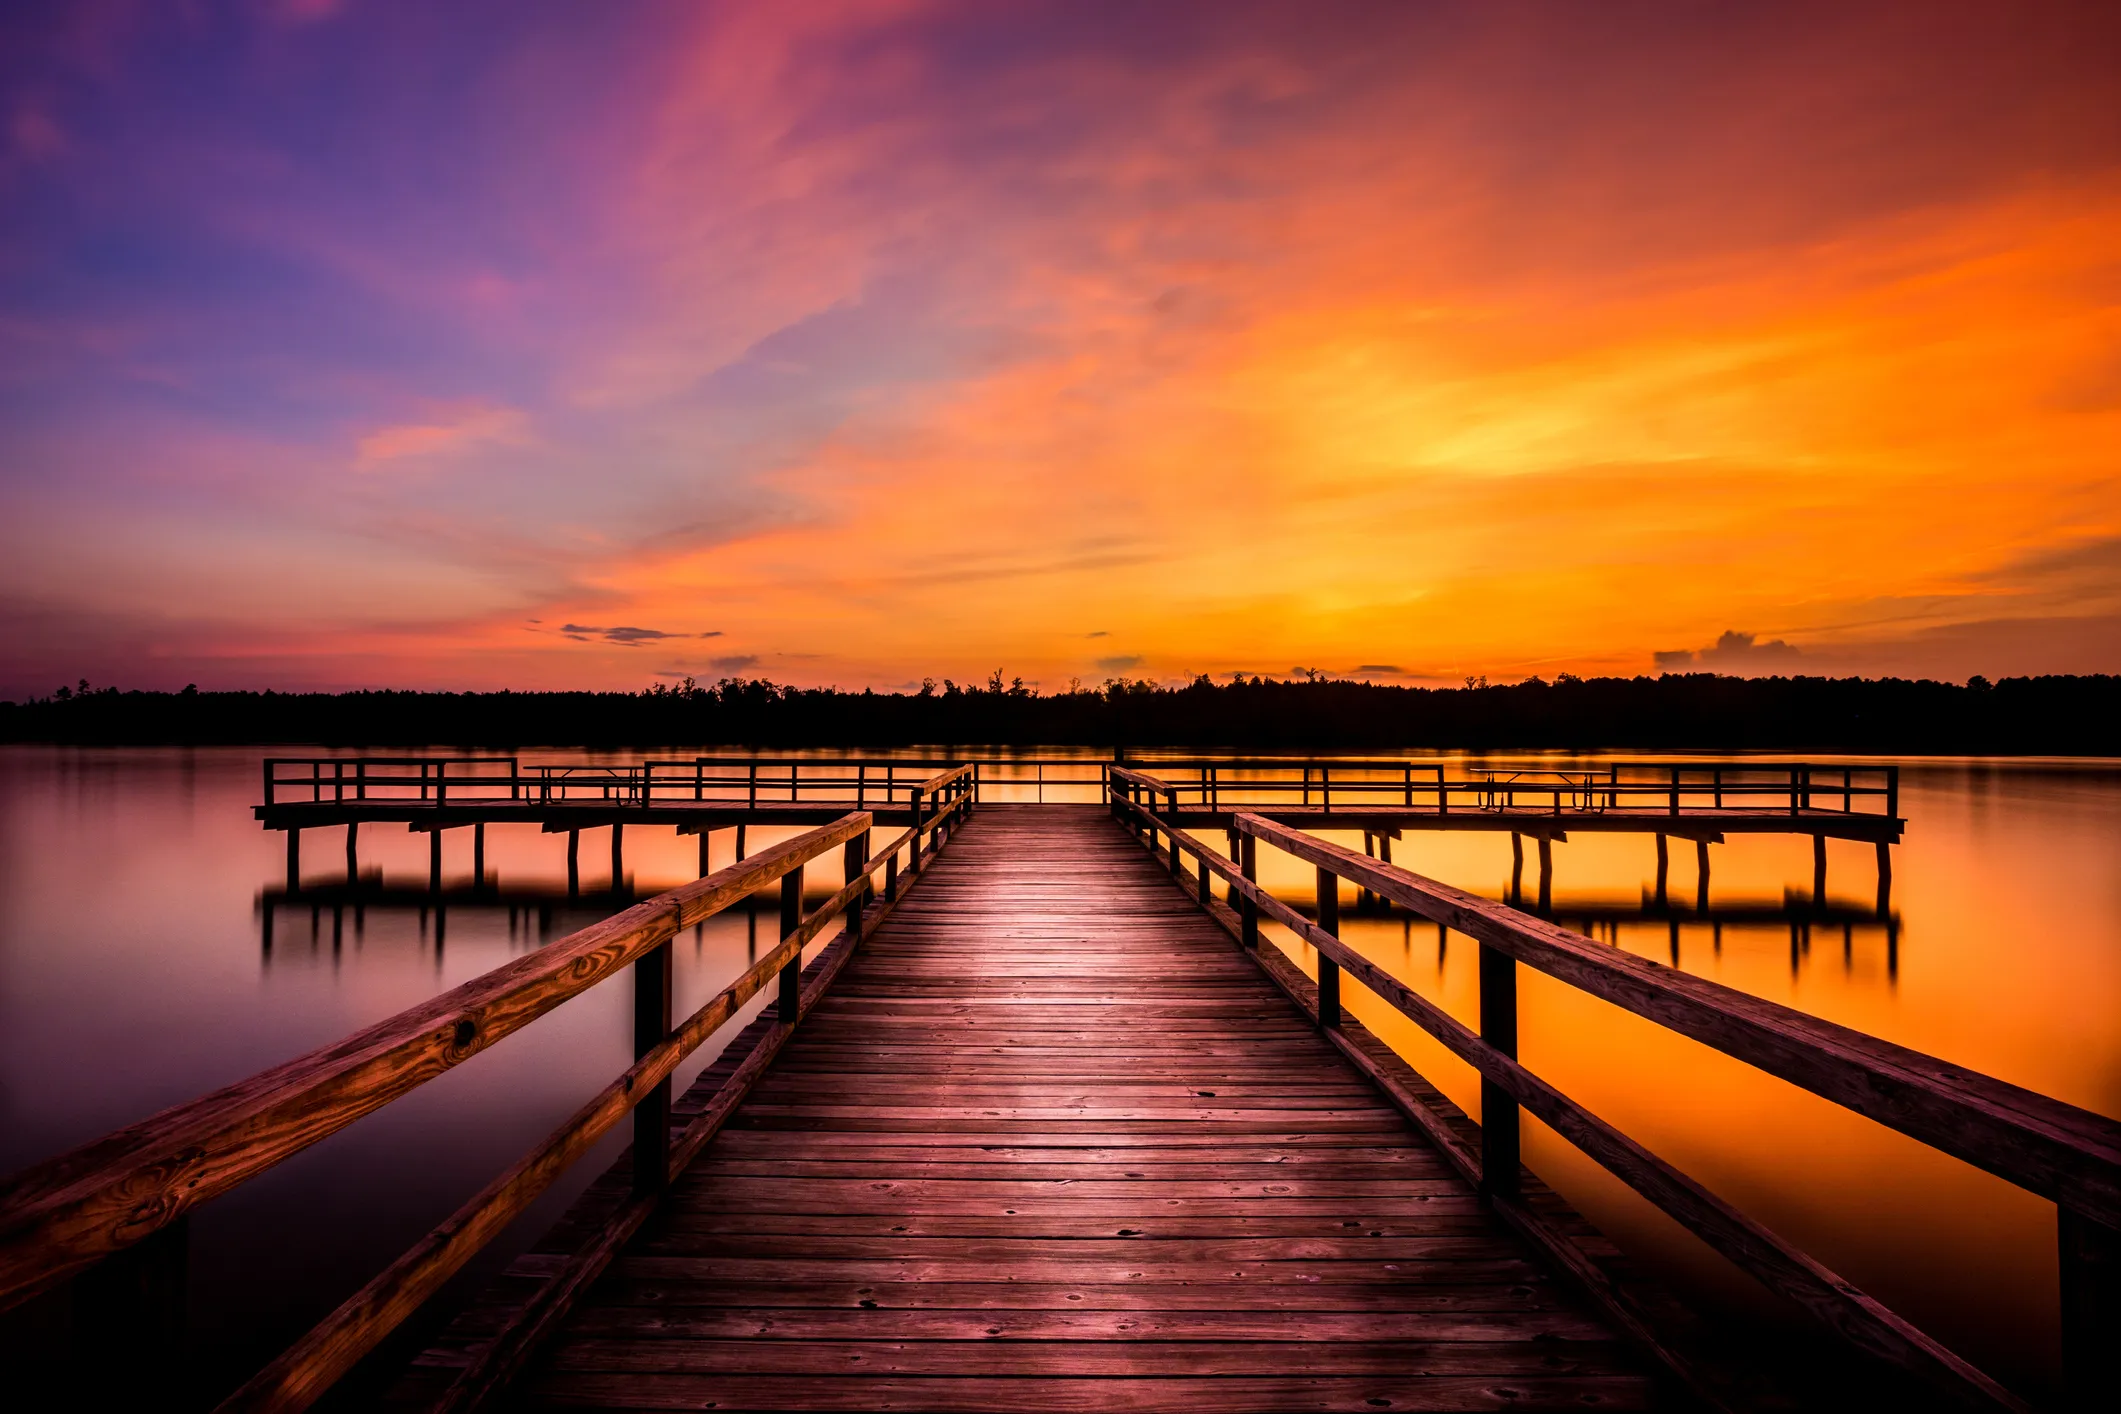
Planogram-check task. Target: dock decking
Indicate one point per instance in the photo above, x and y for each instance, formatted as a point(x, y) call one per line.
point(1051, 1142)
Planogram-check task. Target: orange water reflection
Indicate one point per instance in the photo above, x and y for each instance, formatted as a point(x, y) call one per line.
point(2003, 953)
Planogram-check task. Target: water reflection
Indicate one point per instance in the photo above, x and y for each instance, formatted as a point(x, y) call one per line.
point(1795, 915)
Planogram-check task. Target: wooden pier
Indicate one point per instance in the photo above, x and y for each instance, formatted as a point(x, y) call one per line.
point(1042, 1116)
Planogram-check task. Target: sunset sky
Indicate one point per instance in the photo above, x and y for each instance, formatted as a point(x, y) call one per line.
point(586, 344)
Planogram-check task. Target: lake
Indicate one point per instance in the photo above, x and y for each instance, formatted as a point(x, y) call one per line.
point(137, 970)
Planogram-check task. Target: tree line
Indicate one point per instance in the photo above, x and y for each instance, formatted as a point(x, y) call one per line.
point(1677, 711)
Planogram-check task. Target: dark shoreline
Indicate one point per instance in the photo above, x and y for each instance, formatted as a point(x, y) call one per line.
point(2061, 716)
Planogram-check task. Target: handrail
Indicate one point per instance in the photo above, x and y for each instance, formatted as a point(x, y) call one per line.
point(1406, 785)
point(2038, 1143)
point(61, 1216)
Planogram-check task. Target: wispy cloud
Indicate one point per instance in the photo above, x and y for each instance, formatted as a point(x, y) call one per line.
point(627, 636)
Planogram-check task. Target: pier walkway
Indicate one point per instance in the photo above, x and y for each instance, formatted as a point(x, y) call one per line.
point(1057, 1107)
point(1052, 1143)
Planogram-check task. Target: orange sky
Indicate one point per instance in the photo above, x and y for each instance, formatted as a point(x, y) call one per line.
point(855, 344)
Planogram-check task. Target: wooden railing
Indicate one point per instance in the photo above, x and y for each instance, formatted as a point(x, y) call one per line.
point(500, 780)
point(60, 1218)
point(1385, 784)
point(2055, 1150)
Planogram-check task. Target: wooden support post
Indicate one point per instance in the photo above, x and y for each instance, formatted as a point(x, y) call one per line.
point(434, 860)
point(1885, 878)
point(1498, 1111)
point(1200, 865)
point(1247, 910)
point(706, 839)
point(1516, 868)
point(740, 842)
point(1170, 826)
point(618, 857)
point(1546, 874)
point(1701, 876)
point(791, 996)
point(891, 878)
point(353, 851)
point(1664, 868)
point(1234, 854)
point(1818, 871)
point(855, 855)
point(478, 855)
point(294, 860)
point(651, 1116)
point(1328, 969)
point(2091, 1309)
point(574, 863)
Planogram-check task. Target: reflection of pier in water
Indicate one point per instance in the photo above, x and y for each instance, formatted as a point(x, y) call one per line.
point(1602, 919)
point(537, 913)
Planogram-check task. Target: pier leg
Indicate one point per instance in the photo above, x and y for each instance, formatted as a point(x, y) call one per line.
point(1818, 871)
point(353, 851)
point(740, 842)
point(1498, 1111)
point(1664, 868)
point(791, 996)
point(1701, 876)
point(574, 864)
point(706, 835)
point(1516, 867)
point(434, 861)
point(478, 855)
point(2091, 1308)
point(651, 1116)
point(1328, 969)
point(1546, 874)
point(1247, 910)
point(1885, 878)
point(1231, 854)
point(618, 858)
point(294, 861)
point(1674, 925)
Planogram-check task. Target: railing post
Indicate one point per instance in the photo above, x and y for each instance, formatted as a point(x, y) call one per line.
point(1200, 863)
point(651, 1114)
point(1675, 790)
point(2091, 1306)
point(1328, 969)
point(1170, 830)
point(1498, 1111)
point(791, 997)
point(914, 860)
point(1892, 791)
point(1248, 909)
point(856, 855)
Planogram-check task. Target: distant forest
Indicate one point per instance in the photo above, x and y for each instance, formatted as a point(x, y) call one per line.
point(2044, 715)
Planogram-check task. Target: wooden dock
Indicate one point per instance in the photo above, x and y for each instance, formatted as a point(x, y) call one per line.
point(1040, 1118)
point(1051, 1143)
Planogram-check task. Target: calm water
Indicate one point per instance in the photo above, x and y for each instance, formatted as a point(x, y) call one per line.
point(134, 974)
